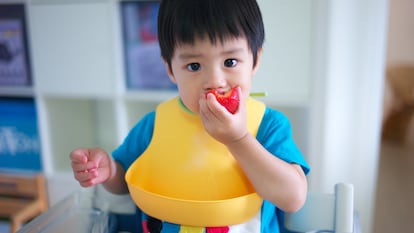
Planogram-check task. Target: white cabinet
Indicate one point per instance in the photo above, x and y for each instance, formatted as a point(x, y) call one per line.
point(79, 81)
point(73, 47)
point(286, 65)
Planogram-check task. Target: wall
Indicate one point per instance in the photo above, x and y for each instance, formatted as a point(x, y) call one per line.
point(346, 98)
point(285, 66)
point(401, 32)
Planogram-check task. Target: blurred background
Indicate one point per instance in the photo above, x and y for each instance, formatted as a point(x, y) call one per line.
point(75, 74)
point(395, 187)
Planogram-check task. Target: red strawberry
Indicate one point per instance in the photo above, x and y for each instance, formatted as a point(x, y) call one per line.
point(229, 100)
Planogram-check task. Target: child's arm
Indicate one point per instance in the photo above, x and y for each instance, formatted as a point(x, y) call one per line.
point(282, 183)
point(95, 166)
point(275, 180)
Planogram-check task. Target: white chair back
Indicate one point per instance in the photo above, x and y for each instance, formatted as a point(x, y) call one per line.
point(323, 212)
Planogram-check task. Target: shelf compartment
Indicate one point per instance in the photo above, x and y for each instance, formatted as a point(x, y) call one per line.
point(72, 123)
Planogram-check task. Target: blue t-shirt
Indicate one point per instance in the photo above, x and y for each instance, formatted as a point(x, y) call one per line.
point(275, 134)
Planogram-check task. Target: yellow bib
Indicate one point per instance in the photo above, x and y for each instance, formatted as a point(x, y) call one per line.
point(187, 177)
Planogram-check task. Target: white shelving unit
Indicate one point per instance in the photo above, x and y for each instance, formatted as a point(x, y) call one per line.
point(76, 51)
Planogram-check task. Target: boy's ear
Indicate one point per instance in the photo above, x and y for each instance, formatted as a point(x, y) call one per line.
point(169, 71)
point(258, 59)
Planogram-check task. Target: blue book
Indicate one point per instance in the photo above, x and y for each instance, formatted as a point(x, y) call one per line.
point(19, 135)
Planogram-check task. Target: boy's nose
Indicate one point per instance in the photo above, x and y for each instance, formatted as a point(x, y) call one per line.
point(215, 80)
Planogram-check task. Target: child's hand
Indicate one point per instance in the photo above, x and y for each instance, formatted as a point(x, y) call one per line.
point(90, 166)
point(230, 100)
point(222, 125)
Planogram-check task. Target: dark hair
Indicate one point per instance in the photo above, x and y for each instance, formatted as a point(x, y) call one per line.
point(182, 21)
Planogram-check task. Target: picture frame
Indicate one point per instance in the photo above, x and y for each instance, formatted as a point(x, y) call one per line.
point(15, 67)
point(144, 67)
point(20, 146)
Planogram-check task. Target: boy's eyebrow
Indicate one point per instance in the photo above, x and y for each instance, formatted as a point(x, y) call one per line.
point(189, 55)
point(233, 50)
point(184, 56)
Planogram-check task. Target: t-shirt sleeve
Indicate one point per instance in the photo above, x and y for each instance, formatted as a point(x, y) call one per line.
point(136, 142)
point(275, 134)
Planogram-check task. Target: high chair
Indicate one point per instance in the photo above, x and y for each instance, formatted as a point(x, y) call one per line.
point(94, 209)
point(325, 212)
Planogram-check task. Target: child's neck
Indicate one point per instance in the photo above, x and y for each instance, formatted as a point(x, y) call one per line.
point(182, 105)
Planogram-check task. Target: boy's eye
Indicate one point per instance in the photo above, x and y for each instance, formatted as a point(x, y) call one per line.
point(230, 62)
point(193, 66)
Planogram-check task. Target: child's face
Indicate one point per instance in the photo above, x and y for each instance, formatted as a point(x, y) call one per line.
point(203, 66)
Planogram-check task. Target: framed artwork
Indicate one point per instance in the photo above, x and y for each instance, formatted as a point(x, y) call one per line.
point(19, 135)
point(15, 67)
point(143, 64)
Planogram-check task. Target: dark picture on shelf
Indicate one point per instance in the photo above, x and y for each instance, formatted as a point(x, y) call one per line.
point(19, 135)
point(143, 64)
point(14, 56)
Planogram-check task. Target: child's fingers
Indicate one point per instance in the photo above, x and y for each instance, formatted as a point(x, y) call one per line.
point(86, 178)
point(84, 167)
point(79, 156)
point(242, 103)
point(213, 109)
point(80, 161)
point(87, 183)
